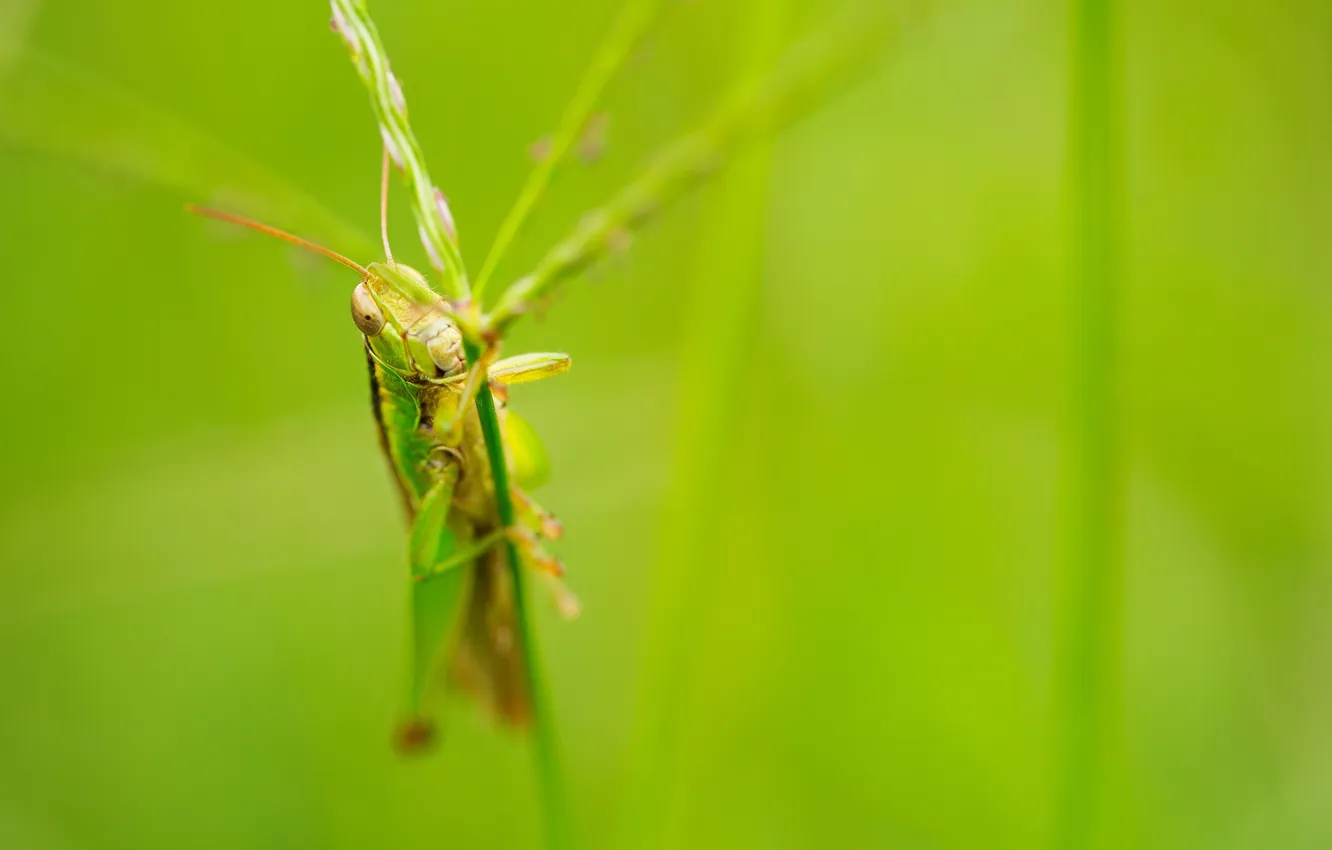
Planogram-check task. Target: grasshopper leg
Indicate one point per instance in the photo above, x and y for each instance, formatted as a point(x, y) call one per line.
point(546, 565)
point(472, 385)
point(527, 543)
point(543, 522)
point(459, 558)
point(525, 368)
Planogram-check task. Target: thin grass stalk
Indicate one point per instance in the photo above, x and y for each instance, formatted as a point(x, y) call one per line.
point(805, 77)
point(633, 22)
point(545, 749)
point(1090, 619)
point(434, 221)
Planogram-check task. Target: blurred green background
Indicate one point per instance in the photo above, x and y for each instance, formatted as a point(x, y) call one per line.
point(808, 456)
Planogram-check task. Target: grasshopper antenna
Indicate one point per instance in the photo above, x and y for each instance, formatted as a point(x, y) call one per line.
point(273, 231)
point(383, 206)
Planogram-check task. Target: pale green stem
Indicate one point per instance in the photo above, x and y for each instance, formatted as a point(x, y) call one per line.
point(633, 22)
point(1090, 616)
point(801, 80)
point(433, 220)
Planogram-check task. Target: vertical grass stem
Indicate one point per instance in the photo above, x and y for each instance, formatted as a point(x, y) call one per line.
point(554, 802)
point(1090, 616)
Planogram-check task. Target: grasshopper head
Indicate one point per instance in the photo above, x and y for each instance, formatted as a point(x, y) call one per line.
point(427, 340)
point(395, 295)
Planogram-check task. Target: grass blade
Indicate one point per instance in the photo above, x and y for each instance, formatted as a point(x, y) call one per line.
point(1090, 619)
point(633, 22)
point(16, 19)
point(806, 77)
point(720, 328)
point(113, 130)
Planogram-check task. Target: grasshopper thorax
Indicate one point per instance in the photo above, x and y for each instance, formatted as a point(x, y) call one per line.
point(426, 338)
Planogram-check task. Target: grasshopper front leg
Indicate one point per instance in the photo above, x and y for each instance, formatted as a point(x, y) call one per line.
point(526, 454)
point(520, 369)
point(471, 384)
point(525, 368)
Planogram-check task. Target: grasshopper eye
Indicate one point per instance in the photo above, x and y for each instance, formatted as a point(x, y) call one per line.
point(367, 315)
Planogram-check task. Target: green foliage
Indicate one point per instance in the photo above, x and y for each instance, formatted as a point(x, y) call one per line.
point(759, 106)
point(202, 583)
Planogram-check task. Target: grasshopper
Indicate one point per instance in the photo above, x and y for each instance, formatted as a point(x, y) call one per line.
point(434, 408)
point(422, 394)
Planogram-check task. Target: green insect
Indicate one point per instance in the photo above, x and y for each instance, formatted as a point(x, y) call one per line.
point(439, 389)
point(464, 628)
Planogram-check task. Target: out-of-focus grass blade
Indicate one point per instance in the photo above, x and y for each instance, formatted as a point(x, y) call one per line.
point(808, 74)
point(719, 315)
point(631, 25)
point(16, 17)
point(53, 106)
